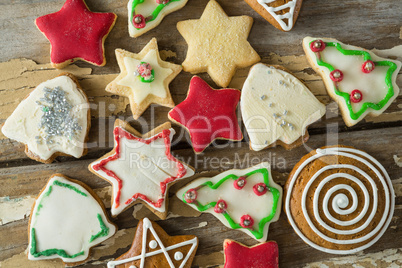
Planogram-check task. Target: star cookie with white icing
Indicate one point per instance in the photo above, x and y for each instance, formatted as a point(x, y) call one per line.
point(217, 44)
point(153, 247)
point(144, 78)
point(277, 108)
point(53, 120)
point(66, 221)
point(140, 168)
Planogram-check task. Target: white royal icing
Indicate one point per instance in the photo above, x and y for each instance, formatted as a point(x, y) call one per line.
point(372, 85)
point(23, 123)
point(146, 8)
point(143, 89)
point(141, 167)
point(280, 18)
point(239, 202)
point(275, 105)
point(147, 225)
point(65, 219)
point(340, 201)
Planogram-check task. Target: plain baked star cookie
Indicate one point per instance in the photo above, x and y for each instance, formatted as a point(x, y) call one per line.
point(208, 114)
point(217, 44)
point(144, 78)
point(141, 168)
point(76, 33)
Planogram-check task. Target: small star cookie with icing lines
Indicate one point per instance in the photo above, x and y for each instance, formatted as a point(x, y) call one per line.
point(144, 78)
point(217, 44)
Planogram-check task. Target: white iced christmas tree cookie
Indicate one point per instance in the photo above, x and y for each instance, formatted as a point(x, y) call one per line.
point(248, 200)
point(276, 106)
point(358, 80)
point(66, 221)
point(144, 15)
point(52, 120)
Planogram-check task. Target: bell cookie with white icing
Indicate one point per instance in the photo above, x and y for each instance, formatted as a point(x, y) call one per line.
point(153, 247)
point(66, 221)
point(141, 168)
point(144, 15)
point(358, 80)
point(247, 200)
point(144, 78)
point(339, 199)
point(280, 13)
point(277, 108)
point(53, 120)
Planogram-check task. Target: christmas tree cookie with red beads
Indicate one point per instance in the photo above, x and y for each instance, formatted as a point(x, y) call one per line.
point(247, 200)
point(358, 80)
point(144, 15)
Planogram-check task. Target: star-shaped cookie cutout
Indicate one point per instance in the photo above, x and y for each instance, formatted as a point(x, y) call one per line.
point(144, 78)
point(153, 247)
point(263, 255)
point(217, 44)
point(208, 114)
point(141, 168)
point(76, 33)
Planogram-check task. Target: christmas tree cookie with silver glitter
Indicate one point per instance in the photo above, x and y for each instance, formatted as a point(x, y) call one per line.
point(53, 120)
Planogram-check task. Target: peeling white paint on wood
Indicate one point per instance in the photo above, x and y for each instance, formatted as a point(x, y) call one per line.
point(200, 225)
point(15, 209)
point(398, 160)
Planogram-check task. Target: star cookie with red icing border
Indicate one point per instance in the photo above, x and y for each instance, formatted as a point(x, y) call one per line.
point(263, 255)
point(153, 247)
point(140, 168)
point(76, 33)
point(208, 114)
point(144, 78)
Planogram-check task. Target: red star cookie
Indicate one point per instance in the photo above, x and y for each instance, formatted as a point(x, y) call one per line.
point(76, 33)
point(263, 255)
point(208, 114)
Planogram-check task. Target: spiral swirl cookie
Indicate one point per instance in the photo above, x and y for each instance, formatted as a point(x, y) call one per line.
point(339, 200)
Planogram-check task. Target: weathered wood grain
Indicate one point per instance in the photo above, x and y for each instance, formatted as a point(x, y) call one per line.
point(370, 24)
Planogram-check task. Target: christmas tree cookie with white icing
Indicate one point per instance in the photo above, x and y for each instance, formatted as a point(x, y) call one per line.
point(277, 108)
point(53, 120)
point(144, 78)
point(144, 15)
point(153, 247)
point(141, 168)
point(66, 221)
point(248, 200)
point(358, 80)
point(280, 13)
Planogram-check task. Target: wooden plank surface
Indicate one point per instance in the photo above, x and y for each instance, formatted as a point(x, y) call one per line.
point(370, 24)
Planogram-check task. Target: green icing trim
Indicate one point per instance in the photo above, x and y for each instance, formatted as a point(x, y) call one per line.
point(259, 233)
point(48, 252)
point(104, 229)
point(366, 56)
point(69, 186)
point(154, 13)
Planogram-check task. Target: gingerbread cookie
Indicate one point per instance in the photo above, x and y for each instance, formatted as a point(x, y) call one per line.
point(140, 168)
point(53, 120)
point(76, 33)
point(248, 200)
point(339, 200)
point(144, 15)
point(263, 255)
point(280, 13)
point(217, 44)
point(66, 221)
point(208, 114)
point(153, 247)
point(277, 108)
point(358, 80)
point(144, 78)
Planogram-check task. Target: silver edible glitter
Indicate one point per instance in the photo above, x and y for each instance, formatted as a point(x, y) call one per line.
point(221, 205)
point(56, 119)
point(285, 112)
point(281, 82)
point(240, 183)
point(260, 188)
point(270, 104)
point(263, 97)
